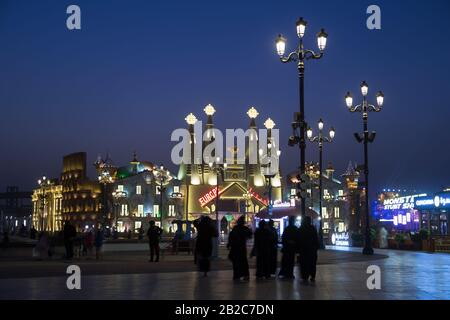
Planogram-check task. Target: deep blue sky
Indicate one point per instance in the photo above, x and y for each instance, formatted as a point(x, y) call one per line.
point(137, 68)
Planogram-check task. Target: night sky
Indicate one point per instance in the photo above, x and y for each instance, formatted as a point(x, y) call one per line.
point(137, 68)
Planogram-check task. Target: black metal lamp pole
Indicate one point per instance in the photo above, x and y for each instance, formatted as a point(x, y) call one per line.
point(366, 138)
point(300, 55)
point(320, 139)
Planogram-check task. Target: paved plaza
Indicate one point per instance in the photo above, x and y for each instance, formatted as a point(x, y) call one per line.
point(341, 275)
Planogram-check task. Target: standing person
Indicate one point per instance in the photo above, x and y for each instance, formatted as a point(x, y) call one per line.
point(99, 238)
point(33, 233)
point(262, 250)
point(308, 246)
point(154, 235)
point(69, 233)
point(237, 243)
point(89, 242)
point(273, 248)
point(290, 244)
point(204, 246)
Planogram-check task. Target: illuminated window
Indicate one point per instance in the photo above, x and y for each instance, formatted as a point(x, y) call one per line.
point(293, 192)
point(324, 213)
point(309, 191)
point(325, 193)
point(157, 190)
point(341, 227)
point(176, 189)
point(138, 189)
point(336, 212)
point(120, 187)
point(124, 210)
point(140, 212)
point(325, 225)
point(156, 210)
point(171, 210)
point(137, 226)
point(341, 193)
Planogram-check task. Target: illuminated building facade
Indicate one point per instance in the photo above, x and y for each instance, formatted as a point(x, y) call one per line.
point(81, 197)
point(47, 206)
point(137, 195)
point(335, 206)
point(243, 188)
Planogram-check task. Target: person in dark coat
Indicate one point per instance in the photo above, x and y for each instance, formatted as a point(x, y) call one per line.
point(262, 250)
point(290, 244)
point(204, 245)
point(273, 248)
point(69, 233)
point(237, 244)
point(154, 235)
point(308, 246)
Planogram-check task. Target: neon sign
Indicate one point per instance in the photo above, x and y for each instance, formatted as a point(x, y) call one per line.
point(401, 203)
point(340, 239)
point(212, 194)
point(438, 201)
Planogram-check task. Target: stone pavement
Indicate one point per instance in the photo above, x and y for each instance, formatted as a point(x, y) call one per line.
point(404, 275)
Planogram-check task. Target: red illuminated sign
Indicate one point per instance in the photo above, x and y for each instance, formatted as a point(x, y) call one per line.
point(212, 194)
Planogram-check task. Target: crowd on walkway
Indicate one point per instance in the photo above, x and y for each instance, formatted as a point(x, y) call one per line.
point(296, 242)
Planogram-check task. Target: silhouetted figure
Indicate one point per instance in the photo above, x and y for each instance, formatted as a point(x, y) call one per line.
point(237, 243)
point(5, 241)
point(289, 240)
point(203, 245)
point(154, 236)
point(273, 247)
point(33, 233)
point(99, 239)
point(129, 234)
point(308, 246)
point(42, 247)
point(69, 235)
point(141, 233)
point(262, 248)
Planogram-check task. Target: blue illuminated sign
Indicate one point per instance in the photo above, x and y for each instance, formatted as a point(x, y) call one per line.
point(439, 201)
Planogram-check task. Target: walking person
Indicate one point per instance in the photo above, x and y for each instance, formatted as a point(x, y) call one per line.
point(69, 234)
point(204, 245)
point(308, 246)
point(154, 236)
point(237, 244)
point(290, 245)
point(99, 239)
point(273, 248)
point(262, 250)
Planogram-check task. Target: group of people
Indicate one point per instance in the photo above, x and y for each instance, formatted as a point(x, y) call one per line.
point(302, 241)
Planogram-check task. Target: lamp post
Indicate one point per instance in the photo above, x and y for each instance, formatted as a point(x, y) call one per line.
point(43, 183)
point(105, 179)
point(366, 138)
point(162, 176)
point(320, 139)
point(300, 55)
point(266, 168)
point(218, 170)
point(191, 120)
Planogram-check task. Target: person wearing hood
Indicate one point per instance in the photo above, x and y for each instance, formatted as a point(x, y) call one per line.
point(237, 244)
point(290, 240)
point(308, 246)
point(203, 245)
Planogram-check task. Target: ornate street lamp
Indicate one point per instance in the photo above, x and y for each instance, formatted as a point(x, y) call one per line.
point(366, 138)
point(320, 139)
point(300, 55)
point(219, 170)
point(163, 176)
point(191, 120)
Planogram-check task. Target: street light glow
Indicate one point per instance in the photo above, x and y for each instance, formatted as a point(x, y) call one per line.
point(281, 45)
point(322, 40)
point(301, 27)
point(380, 99)
point(269, 124)
point(349, 100)
point(364, 88)
point(209, 110)
point(332, 133)
point(252, 113)
point(191, 119)
point(320, 124)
